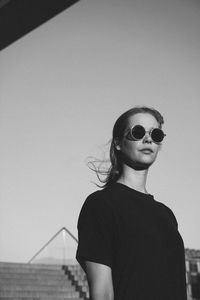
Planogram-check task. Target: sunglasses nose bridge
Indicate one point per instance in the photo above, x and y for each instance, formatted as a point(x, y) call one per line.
point(147, 136)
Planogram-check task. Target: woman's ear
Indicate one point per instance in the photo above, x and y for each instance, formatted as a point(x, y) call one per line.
point(117, 144)
point(118, 147)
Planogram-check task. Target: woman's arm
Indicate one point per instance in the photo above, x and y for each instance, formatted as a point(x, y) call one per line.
point(100, 281)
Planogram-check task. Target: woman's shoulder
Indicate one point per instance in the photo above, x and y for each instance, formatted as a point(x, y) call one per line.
point(96, 207)
point(93, 199)
point(100, 199)
point(168, 211)
point(97, 198)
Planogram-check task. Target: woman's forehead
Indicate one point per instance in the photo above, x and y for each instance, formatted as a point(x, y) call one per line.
point(144, 119)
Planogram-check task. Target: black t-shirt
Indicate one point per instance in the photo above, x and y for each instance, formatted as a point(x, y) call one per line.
point(137, 237)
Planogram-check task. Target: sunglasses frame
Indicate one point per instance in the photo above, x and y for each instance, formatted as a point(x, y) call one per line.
point(130, 130)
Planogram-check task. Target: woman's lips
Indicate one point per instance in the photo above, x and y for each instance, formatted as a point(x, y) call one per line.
point(146, 151)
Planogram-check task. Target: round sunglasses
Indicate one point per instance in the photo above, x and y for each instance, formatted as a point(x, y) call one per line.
point(137, 132)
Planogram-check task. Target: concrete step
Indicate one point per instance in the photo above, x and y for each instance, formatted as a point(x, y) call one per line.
point(33, 266)
point(39, 288)
point(33, 276)
point(37, 281)
point(39, 298)
point(30, 270)
point(39, 294)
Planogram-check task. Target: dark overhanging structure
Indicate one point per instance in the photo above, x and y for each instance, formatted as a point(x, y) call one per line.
point(19, 17)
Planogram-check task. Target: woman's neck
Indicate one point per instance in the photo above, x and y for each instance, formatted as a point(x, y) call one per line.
point(135, 179)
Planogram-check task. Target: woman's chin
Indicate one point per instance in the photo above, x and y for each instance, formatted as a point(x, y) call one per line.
point(140, 165)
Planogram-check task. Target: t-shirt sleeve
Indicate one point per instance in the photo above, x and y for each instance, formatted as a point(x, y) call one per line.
point(95, 232)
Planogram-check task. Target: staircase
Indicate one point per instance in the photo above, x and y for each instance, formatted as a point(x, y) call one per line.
point(78, 277)
point(41, 282)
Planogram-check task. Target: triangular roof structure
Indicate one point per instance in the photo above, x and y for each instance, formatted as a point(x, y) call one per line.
point(60, 249)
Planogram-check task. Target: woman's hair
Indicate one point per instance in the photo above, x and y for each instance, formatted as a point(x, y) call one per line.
point(113, 173)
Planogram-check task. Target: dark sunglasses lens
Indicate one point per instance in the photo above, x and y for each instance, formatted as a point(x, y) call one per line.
point(157, 135)
point(138, 132)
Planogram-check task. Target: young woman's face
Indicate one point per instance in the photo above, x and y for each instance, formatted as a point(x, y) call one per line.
point(140, 153)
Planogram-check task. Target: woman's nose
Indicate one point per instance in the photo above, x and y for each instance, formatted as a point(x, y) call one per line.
point(147, 138)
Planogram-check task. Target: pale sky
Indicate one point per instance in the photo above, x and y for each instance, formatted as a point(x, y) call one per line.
point(61, 89)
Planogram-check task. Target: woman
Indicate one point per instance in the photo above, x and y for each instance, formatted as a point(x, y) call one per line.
point(129, 244)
